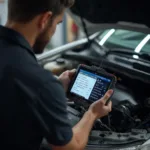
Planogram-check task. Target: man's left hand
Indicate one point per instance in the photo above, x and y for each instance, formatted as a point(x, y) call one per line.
point(66, 77)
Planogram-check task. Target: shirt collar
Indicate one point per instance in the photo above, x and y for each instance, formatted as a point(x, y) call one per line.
point(16, 38)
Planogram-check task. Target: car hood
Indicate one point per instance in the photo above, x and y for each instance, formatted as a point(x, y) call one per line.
point(109, 13)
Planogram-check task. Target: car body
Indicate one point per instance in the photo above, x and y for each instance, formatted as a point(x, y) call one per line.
point(118, 40)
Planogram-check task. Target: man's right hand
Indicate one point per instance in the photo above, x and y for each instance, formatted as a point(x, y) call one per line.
point(99, 108)
point(82, 129)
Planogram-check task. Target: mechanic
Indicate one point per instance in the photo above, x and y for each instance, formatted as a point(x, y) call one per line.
point(32, 101)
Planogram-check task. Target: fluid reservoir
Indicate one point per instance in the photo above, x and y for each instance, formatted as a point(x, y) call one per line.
point(58, 66)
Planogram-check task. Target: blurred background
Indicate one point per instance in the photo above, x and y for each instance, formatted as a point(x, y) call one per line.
point(65, 33)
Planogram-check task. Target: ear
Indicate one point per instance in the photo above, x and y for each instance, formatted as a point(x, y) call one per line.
point(44, 20)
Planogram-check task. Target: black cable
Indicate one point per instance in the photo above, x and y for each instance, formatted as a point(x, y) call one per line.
point(109, 123)
point(103, 125)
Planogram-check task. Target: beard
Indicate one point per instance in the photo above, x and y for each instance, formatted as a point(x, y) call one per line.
point(41, 42)
point(39, 46)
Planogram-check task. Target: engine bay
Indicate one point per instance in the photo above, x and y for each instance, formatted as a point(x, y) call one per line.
point(129, 121)
point(126, 124)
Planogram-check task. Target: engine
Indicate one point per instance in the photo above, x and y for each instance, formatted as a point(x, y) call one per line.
point(129, 121)
point(112, 129)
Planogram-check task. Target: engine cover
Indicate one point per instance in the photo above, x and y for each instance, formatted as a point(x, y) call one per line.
point(121, 94)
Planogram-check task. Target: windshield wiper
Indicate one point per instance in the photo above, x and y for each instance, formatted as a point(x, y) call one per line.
point(141, 55)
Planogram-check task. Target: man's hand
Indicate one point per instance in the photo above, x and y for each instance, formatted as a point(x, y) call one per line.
point(99, 108)
point(66, 77)
point(82, 130)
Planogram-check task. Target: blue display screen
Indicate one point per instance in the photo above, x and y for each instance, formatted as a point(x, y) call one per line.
point(90, 86)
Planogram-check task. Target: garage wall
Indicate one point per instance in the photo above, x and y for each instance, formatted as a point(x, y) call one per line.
point(3, 11)
point(56, 41)
point(60, 37)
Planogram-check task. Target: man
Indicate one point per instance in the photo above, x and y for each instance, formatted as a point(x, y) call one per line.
point(32, 101)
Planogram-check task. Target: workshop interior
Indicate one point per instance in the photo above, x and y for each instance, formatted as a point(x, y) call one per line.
point(113, 36)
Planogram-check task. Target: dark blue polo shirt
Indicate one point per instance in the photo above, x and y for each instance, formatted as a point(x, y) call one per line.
point(32, 102)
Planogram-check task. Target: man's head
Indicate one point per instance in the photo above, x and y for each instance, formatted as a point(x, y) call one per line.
point(43, 15)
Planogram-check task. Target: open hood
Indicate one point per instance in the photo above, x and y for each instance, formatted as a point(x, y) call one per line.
point(132, 13)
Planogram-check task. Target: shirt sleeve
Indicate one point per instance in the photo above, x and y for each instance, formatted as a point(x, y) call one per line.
point(47, 101)
point(52, 114)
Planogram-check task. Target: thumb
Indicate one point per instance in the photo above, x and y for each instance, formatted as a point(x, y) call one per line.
point(107, 96)
point(72, 72)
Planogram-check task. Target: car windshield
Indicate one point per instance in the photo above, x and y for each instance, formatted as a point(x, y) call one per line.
point(125, 39)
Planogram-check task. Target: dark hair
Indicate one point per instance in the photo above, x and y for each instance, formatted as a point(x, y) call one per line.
point(26, 10)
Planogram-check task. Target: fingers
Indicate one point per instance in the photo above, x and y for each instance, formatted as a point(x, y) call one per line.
point(109, 106)
point(107, 96)
point(71, 73)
